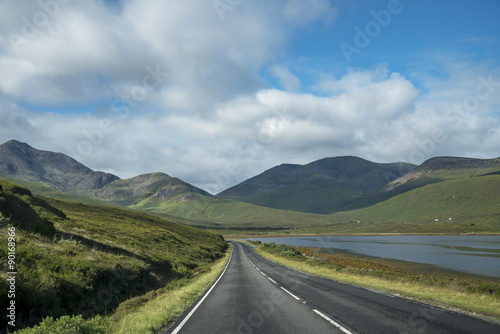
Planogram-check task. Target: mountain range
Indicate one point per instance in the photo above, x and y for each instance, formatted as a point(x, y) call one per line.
point(59, 171)
point(327, 191)
point(324, 186)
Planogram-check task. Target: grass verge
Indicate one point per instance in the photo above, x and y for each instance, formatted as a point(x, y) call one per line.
point(136, 316)
point(477, 296)
point(146, 314)
point(79, 263)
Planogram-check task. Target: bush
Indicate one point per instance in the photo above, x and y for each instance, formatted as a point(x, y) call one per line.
point(286, 250)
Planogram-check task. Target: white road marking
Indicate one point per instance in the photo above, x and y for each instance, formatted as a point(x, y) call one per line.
point(178, 328)
point(291, 294)
point(327, 318)
point(269, 278)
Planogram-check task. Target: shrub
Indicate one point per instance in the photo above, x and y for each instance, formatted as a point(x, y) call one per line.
point(286, 250)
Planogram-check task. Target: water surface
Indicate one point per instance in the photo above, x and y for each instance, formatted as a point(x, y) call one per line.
point(478, 255)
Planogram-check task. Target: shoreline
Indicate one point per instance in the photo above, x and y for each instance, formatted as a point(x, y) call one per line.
point(400, 263)
point(440, 288)
point(246, 236)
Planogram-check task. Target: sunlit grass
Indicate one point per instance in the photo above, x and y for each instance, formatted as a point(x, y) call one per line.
point(164, 308)
point(84, 259)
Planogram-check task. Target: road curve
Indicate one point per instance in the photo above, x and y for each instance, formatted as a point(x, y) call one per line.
point(255, 295)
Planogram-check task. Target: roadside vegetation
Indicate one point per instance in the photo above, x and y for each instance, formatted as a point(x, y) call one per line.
point(85, 268)
point(473, 294)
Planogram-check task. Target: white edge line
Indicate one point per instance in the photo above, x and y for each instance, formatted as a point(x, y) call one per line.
point(291, 294)
point(327, 318)
point(178, 328)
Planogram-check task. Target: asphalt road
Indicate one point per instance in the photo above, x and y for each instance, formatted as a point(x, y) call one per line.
point(255, 295)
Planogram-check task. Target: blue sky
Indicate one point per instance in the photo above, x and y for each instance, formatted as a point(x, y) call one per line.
point(412, 36)
point(214, 96)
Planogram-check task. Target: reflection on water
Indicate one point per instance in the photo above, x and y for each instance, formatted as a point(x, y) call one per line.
point(473, 254)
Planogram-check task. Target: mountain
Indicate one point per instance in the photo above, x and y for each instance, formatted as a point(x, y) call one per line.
point(439, 169)
point(147, 188)
point(324, 186)
point(21, 161)
point(442, 195)
point(331, 193)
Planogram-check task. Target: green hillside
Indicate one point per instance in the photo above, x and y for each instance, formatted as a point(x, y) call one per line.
point(198, 210)
point(323, 186)
point(76, 258)
point(227, 214)
point(46, 190)
point(472, 203)
point(146, 187)
point(440, 169)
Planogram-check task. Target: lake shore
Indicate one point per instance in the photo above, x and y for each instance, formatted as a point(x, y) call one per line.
point(276, 235)
point(475, 295)
point(473, 254)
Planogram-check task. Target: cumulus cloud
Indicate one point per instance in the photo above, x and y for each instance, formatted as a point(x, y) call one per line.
point(174, 88)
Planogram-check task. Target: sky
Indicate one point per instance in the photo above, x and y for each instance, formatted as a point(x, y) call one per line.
point(215, 92)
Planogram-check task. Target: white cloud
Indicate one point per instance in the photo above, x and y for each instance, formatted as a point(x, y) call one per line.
point(210, 121)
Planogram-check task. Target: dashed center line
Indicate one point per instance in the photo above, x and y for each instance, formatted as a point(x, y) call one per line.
point(327, 318)
point(269, 278)
point(291, 294)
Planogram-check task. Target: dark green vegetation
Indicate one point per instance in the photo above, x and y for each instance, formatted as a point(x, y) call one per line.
point(324, 186)
point(82, 259)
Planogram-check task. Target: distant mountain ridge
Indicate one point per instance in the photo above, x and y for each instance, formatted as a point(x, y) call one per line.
point(324, 186)
point(21, 161)
point(147, 187)
point(329, 192)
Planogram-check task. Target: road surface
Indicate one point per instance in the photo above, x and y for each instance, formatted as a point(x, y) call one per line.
point(255, 295)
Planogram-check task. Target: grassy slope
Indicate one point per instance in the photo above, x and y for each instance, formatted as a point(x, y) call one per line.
point(468, 195)
point(200, 210)
point(466, 200)
point(75, 258)
point(207, 211)
point(313, 194)
point(45, 190)
point(476, 201)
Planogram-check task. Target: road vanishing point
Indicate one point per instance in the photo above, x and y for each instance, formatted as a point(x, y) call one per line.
point(256, 295)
